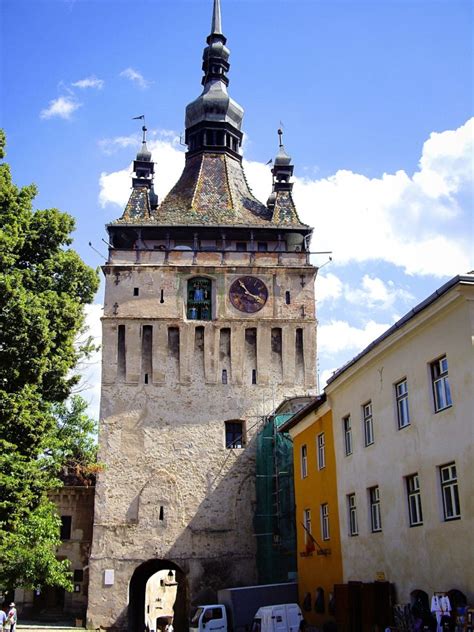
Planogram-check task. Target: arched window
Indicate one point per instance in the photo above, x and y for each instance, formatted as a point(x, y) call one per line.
point(199, 299)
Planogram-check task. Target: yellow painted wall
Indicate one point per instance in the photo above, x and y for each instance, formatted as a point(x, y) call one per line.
point(320, 486)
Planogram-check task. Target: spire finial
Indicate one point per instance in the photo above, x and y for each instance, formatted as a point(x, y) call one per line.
point(280, 137)
point(216, 25)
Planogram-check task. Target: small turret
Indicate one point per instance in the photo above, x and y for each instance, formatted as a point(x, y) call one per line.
point(143, 199)
point(280, 201)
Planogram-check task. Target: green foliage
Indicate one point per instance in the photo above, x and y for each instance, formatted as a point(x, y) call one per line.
point(44, 286)
point(27, 551)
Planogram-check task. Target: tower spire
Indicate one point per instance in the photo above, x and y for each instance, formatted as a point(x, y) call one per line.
point(213, 120)
point(216, 24)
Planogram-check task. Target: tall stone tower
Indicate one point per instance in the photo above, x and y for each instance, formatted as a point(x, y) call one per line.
point(209, 320)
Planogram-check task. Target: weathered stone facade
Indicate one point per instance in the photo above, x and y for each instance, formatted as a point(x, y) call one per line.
point(171, 489)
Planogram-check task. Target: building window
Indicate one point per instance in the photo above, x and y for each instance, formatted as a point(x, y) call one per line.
point(352, 513)
point(347, 430)
point(450, 492)
point(224, 376)
point(368, 423)
point(65, 530)
point(321, 451)
point(234, 434)
point(401, 393)
point(307, 526)
point(304, 461)
point(287, 297)
point(325, 521)
point(375, 519)
point(414, 500)
point(199, 301)
point(262, 246)
point(78, 575)
point(440, 381)
point(241, 246)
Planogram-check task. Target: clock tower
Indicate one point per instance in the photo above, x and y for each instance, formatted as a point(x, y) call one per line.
point(209, 322)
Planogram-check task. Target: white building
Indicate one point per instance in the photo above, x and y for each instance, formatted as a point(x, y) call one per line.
point(403, 430)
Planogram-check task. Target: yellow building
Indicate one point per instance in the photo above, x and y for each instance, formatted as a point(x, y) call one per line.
point(317, 517)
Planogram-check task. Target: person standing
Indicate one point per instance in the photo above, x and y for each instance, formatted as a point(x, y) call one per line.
point(3, 619)
point(12, 617)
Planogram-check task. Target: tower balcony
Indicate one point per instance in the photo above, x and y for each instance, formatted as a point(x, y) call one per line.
point(162, 256)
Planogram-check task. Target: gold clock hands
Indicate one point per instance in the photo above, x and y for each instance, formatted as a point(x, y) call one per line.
point(255, 296)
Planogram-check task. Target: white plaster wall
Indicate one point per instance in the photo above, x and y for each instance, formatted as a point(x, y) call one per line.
point(438, 555)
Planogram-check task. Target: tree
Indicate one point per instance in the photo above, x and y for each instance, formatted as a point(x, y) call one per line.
point(44, 286)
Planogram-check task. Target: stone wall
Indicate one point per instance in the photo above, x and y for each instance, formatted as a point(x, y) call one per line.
point(171, 489)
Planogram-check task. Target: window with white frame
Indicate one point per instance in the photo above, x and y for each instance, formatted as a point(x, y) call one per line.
point(375, 517)
point(321, 451)
point(450, 491)
point(347, 431)
point(414, 500)
point(304, 461)
point(325, 521)
point(440, 382)
point(368, 422)
point(307, 525)
point(352, 514)
point(401, 394)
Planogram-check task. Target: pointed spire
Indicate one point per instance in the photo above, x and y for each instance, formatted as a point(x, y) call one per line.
point(216, 24)
point(214, 119)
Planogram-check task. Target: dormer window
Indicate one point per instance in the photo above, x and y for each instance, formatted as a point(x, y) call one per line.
point(199, 299)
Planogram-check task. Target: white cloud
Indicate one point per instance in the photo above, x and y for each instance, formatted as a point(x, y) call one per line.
point(136, 77)
point(374, 292)
point(62, 107)
point(328, 287)
point(110, 145)
point(169, 158)
point(89, 82)
point(339, 335)
point(416, 222)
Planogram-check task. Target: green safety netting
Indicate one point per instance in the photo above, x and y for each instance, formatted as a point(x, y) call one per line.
point(274, 521)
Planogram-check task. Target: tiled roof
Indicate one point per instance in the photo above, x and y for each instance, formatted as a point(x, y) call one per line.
point(211, 190)
point(285, 210)
point(138, 206)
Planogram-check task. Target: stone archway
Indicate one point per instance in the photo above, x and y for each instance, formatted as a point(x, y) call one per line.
point(137, 591)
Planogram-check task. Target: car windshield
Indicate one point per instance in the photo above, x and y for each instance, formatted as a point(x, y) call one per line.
point(195, 619)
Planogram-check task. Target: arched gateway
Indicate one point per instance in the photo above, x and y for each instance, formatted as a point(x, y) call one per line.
point(148, 598)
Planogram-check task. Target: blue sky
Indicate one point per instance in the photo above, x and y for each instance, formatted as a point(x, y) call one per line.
point(376, 99)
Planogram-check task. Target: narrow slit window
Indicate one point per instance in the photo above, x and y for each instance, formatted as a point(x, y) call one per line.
point(162, 512)
point(254, 376)
point(162, 296)
point(287, 297)
point(136, 291)
point(147, 346)
point(224, 376)
point(121, 368)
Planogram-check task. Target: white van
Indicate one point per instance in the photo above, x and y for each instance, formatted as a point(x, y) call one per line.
point(209, 618)
point(285, 617)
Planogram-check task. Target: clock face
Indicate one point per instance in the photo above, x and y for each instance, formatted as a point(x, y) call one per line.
point(248, 294)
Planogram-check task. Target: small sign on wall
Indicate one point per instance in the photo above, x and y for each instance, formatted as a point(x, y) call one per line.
point(109, 577)
point(380, 576)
